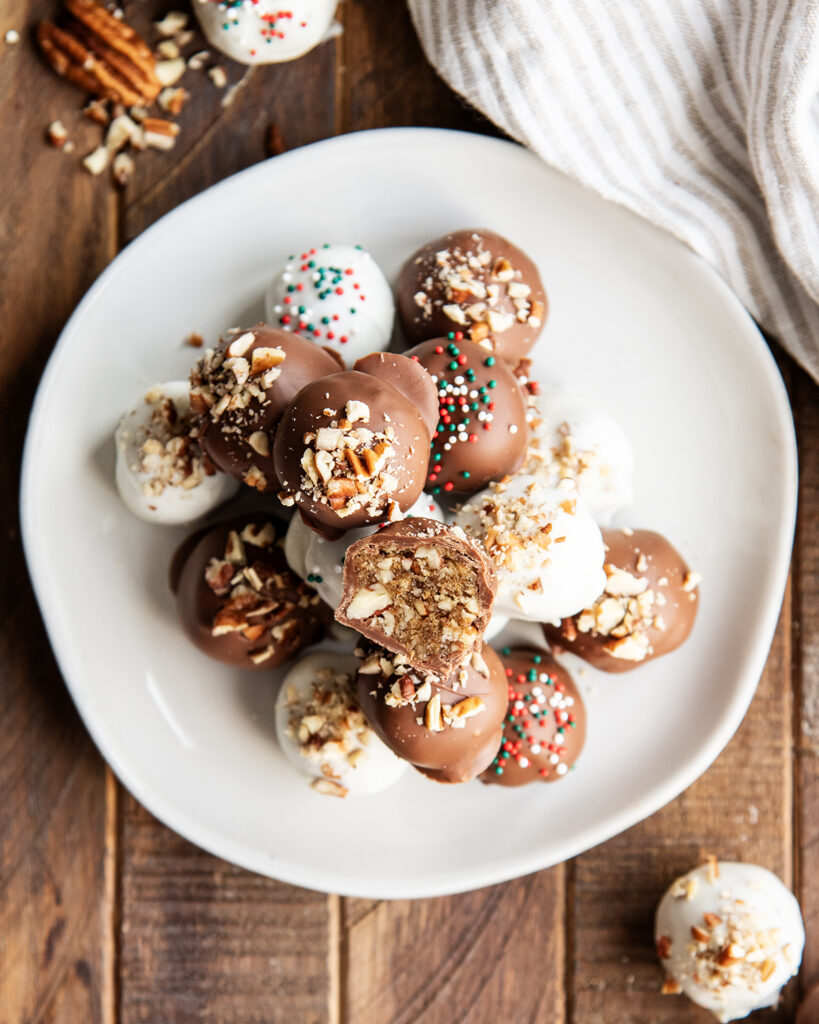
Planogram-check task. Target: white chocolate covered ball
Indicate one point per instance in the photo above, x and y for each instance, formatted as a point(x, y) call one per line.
point(161, 474)
point(323, 732)
point(547, 550)
point(573, 437)
point(729, 936)
point(335, 295)
point(265, 31)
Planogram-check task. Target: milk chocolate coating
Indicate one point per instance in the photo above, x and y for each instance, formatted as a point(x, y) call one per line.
point(405, 539)
point(645, 555)
point(482, 432)
point(227, 440)
point(808, 1012)
point(452, 754)
point(406, 375)
point(324, 402)
point(295, 615)
point(545, 725)
point(431, 283)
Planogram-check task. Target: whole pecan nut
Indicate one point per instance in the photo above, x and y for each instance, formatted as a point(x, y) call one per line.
point(101, 54)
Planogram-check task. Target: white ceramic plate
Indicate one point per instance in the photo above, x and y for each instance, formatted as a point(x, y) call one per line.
point(637, 322)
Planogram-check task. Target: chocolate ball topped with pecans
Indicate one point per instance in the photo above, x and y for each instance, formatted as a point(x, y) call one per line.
point(478, 283)
point(353, 448)
point(647, 607)
point(545, 725)
point(421, 589)
point(239, 602)
point(448, 726)
point(240, 390)
point(482, 431)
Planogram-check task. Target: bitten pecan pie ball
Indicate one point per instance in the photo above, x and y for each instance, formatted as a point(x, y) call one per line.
point(240, 390)
point(353, 448)
point(478, 283)
point(239, 602)
point(421, 589)
point(448, 726)
point(646, 609)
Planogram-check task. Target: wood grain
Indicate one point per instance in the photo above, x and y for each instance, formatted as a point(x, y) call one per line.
point(806, 665)
point(492, 955)
point(57, 233)
point(203, 940)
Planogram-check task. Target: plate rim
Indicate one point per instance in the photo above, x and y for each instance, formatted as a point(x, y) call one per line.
point(223, 846)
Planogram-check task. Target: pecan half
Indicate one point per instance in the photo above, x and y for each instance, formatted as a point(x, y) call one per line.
point(101, 54)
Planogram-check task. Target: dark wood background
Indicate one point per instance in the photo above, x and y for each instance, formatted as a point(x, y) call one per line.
point(106, 915)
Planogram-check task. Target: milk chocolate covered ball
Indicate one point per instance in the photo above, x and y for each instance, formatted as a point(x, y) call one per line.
point(647, 607)
point(239, 602)
point(450, 729)
point(482, 430)
point(353, 449)
point(478, 283)
point(421, 589)
point(240, 390)
point(545, 723)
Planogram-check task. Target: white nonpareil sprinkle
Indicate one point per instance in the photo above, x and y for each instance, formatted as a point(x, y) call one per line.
point(12, 37)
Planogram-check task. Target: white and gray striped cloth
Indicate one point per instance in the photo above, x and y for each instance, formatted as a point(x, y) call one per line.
point(700, 115)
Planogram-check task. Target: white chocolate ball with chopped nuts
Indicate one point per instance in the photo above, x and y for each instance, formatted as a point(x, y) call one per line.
point(547, 550)
point(336, 296)
point(572, 436)
point(323, 732)
point(160, 471)
point(263, 31)
point(729, 936)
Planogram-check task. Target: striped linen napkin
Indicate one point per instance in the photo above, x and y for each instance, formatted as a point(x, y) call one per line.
point(700, 115)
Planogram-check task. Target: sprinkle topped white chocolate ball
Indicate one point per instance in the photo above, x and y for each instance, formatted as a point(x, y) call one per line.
point(265, 31)
point(335, 295)
point(729, 936)
point(161, 473)
point(323, 732)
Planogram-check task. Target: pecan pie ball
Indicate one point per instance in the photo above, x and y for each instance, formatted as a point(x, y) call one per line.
point(353, 448)
point(545, 725)
point(239, 602)
point(482, 430)
point(478, 283)
point(240, 390)
point(646, 608)
point(421, 589)
point(447, 726)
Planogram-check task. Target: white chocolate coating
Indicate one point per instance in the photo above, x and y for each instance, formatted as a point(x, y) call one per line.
point(352, 757)
point(571, 436)
point(265, 31)
point(335, 295)
point(738, 957)
point(159, 473)
point(547, 549)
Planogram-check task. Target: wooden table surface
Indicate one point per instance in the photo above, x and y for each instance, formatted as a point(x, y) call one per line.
point(105, 914)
